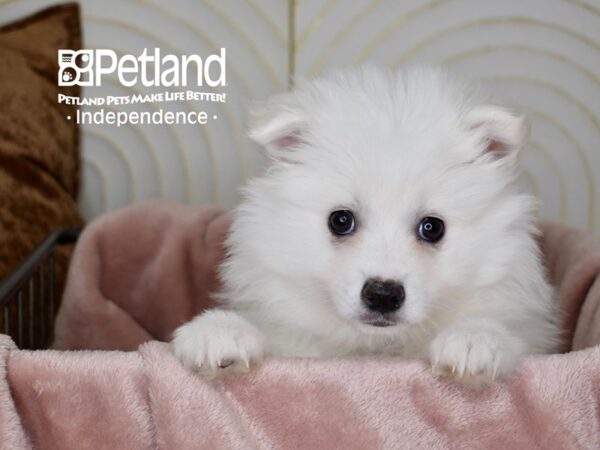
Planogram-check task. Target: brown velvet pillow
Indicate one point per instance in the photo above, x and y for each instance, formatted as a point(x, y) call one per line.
point(39, 146)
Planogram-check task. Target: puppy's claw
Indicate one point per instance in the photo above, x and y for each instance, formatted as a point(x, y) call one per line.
point(224, 363)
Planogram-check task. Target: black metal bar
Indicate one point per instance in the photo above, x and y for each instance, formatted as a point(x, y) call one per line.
point(31, 294)
point(52, 288)
point(21, 276)
point(20, 318)
point(41, 301)
point(6, 316)
point(18, 311)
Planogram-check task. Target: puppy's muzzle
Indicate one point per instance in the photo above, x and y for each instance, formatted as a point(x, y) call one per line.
point(382, 296)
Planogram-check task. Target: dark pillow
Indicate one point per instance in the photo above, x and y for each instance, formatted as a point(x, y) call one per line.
point(39, 146)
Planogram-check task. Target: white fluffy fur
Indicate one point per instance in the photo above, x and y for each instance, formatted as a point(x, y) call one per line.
point(392, 148)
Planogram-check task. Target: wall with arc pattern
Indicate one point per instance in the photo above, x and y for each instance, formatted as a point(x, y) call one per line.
point(542, 56)
point(189, 163)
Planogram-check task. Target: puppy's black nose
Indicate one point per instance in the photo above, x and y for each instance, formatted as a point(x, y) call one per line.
point(383, 296)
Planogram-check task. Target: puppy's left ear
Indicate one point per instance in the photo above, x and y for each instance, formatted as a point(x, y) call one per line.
point(278, 125)
point(503, 133)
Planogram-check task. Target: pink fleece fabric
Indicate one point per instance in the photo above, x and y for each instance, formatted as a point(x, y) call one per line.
point(138, 273)
point(145, 399)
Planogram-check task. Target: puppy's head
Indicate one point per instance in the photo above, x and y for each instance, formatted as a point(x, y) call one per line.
point(387, 196)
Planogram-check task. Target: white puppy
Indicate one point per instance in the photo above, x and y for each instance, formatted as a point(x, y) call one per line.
point(391, 222)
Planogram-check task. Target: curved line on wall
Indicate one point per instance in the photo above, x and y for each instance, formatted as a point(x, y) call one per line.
point(121, 154)
point(163, 43)
point(89, 162)
point(562, 204)
point(479, 23)
point(178, 145)
point(322, 57)
point(210, 146)
point(261, 58)
point(151, 148)
point(93, 165)
point(228, 115)
point(136, 129)
point(266, 19)
point(167, 13)
point(578, 150)
point(316, 22)
point(245, 87)
point(532, 183)
point(490, 49)
point(584, 5)
point(556, 90)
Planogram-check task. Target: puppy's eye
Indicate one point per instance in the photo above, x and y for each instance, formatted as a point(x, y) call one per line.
point(342, 222)
point(431, 229)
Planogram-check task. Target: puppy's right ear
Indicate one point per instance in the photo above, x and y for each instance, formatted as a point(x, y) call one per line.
point(278, 125)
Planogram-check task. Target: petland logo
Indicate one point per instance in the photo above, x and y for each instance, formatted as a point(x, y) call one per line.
point(88, 67)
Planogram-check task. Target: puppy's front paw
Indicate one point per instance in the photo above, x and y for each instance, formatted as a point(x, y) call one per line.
point(475, 353)
point(217, 343)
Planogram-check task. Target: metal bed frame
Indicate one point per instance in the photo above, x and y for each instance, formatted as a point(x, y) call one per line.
point(28, 296)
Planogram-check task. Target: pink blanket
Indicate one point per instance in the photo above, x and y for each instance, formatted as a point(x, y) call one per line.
point(138, 273)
